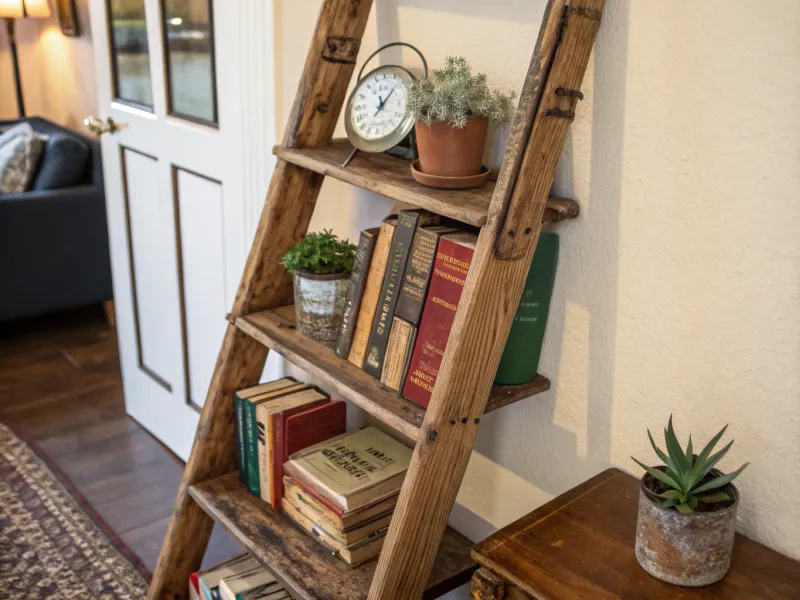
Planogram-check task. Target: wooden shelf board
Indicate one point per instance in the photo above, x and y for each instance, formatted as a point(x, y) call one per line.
point(391, 176)
point(275, 329)
point(307, 569)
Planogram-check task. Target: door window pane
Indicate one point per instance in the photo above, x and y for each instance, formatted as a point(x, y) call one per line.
point(189, 45)
point(130, 55)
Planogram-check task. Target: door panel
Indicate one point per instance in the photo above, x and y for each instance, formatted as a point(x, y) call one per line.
point(152, 254)
point(202, 260)
point(181, 188)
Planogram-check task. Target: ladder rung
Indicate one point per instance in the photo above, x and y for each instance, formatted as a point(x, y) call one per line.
point(302, 565)
point(275, 329)
point(391, 177)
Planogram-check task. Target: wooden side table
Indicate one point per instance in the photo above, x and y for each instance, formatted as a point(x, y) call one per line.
point(580, 546)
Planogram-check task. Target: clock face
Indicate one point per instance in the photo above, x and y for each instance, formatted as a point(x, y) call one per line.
point(376, 111)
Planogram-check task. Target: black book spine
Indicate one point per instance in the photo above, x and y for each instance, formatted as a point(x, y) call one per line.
point(355, 290)
point(414, 284)
point(381, 325)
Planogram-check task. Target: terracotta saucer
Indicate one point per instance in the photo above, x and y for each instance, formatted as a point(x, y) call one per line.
point(449, 183)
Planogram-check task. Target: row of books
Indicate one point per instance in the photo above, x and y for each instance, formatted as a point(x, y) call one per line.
point(293, 453)
point(273, 421)
point(240, 578)
point(405, 287)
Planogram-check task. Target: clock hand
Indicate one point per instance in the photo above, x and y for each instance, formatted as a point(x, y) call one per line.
point(380, 106)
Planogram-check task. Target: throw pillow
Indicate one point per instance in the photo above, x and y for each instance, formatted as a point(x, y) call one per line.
point(20, 150)
point(63, 164)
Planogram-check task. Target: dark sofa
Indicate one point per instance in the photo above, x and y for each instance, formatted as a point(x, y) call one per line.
point(54, 243)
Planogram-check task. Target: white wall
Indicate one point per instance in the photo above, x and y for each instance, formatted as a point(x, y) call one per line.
point(57, 72)
point(678, 289)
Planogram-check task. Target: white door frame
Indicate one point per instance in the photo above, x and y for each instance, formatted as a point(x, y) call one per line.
point(237, 155)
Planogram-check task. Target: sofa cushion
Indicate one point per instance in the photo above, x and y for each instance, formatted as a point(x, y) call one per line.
point(63, 164)
point(20, 150)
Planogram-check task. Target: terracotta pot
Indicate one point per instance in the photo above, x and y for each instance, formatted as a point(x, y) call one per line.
point(319, 304)
point(448, 151)
point(684, 549)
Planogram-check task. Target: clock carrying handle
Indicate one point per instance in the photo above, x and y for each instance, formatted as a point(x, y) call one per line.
point(384, 47)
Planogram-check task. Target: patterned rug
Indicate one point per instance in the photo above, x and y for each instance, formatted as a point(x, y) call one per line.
point(50, 548)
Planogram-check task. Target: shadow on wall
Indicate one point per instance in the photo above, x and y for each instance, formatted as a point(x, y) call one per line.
point(563, 437)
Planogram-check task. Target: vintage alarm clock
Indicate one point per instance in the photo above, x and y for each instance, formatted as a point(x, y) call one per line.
point(375, 116)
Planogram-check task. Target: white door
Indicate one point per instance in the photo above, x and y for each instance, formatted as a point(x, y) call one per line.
point(187, 106)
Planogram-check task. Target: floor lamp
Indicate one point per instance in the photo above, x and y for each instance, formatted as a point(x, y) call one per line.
point(20, 9)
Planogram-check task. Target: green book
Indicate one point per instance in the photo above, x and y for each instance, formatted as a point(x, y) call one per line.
point(239, 416)
point(281, 387)
point(520, 360)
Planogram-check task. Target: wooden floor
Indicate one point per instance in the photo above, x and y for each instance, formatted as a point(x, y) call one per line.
point(60, 383)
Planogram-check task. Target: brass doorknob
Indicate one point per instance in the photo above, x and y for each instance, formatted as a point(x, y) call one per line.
point(99, 127)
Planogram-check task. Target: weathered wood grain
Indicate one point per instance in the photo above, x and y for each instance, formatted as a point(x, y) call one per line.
point(485, 585)
point(287, 210)
point(579, 546)
point(390, 176)
point(306, 568)
point(522, 216)
point(275, 329)
point(482, 323)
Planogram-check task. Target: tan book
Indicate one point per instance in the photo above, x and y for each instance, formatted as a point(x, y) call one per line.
point(352, 470)
point(346, 538)
point(298, 395)
point(372, 290)
point(344, 522)
point(354, 555)
point(398, 353)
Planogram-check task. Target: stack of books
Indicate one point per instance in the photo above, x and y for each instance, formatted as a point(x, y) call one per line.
point(402, 298)
point(343, 491)
point(240, 578)
point(273, 421)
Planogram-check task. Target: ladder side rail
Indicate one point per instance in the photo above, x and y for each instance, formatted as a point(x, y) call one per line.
point(482, 323)
point(287, 211)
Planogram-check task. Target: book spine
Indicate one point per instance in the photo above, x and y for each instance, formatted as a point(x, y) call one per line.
point(398, 353)
point(447, 283)
point(266, 448)
point(384, 314)
point(520, 360)
point(372, 289)
point(355, 290)
point(417, 276)
point(251, 426)
point(241, 456)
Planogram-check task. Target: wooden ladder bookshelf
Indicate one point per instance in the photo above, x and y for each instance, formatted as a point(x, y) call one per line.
point(421, 557)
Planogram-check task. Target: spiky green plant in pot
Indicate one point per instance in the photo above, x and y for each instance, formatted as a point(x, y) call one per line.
point(690, 479)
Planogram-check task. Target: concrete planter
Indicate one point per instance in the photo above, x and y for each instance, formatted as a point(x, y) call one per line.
point(319, 303)
point(684, 549)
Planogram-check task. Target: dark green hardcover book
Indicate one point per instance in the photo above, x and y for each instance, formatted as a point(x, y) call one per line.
point(520, 360)
point(355, 290)
point(251, 428)
point(417, 276)
point(241, 455)
point(407, 222)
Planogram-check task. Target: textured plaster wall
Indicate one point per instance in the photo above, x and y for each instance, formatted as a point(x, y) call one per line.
point(678, 289)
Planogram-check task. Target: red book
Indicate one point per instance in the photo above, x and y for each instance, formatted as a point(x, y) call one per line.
point(453, 257)
point(300, 428)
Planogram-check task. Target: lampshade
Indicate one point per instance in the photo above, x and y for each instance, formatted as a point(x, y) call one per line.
point(16, 9)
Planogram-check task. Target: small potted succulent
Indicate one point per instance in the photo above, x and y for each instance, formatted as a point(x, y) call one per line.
point(452, 115)
point(687, 513)
point(320, 264)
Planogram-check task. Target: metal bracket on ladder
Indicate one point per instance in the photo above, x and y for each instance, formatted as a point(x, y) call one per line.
point(556, 110)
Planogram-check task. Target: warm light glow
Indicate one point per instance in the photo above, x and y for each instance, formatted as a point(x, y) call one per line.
point(16, 9)
point(37, 9)
point(11, 9)
point(175, 21)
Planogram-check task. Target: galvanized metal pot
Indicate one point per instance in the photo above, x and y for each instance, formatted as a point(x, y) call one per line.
point(684, 549)
point(319, 301)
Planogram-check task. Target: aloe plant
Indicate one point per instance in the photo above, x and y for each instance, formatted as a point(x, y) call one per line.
point(684, 472)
